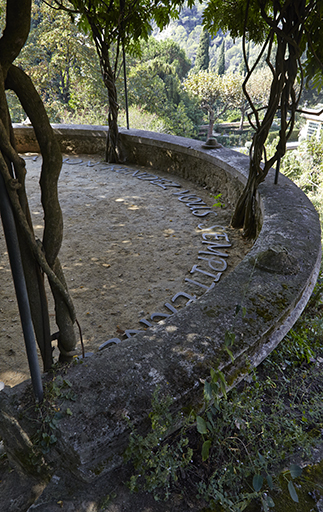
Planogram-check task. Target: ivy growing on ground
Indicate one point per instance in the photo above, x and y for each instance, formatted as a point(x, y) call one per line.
point(241, 449)
point(157, 463)
point(45, 416)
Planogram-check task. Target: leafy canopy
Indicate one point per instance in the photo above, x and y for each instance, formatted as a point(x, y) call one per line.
point(255, 18)
point(129, 21)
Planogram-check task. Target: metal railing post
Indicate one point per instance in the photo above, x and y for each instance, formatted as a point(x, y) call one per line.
point(10, 232)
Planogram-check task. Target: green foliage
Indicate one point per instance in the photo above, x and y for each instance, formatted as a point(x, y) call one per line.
point(287, 32)
point(247, 435)
point(304, 166)
point(220, 94)
point(218, 203)
point(157, 462)
point(187, 31)
point(250, 435)
point(314, 50)
point(221, 63)
point(166, 53)
point(202, 55)
point(16, 111)
point(57, 55)
point(311, 95)
point(232, 140)
point(63, 65)
point(303, 343)
point(208, 89)
point(119, 21)
point(154, 86)
point(231, 16)
point(45, 416)
point(117, 27)
point(143, 120)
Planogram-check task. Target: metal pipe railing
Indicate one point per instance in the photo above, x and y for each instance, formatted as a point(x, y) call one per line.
point(10, 232)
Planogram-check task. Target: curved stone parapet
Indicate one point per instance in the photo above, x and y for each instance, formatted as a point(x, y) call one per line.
point(272, 284)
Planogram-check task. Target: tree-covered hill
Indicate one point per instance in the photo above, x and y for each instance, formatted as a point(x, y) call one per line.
point(62, 62)
point(187, 30)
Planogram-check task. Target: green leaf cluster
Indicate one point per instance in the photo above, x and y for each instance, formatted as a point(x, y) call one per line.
point(46, 416)
point(202, 55)
point(157, 463)
point(250, 435)
point(154, 84)
point(63, 65)
point(254, 18)
point(304, 166)
point(128, 22)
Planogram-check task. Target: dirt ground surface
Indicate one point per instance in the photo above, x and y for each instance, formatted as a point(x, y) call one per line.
point(129, 243)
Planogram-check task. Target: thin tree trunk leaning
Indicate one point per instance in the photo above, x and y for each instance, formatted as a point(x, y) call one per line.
point(282, 97)
point(113, 149)
point(13, 167)
point(21, 84)
point(109, 73)
point(113, 153)
point(211, 124)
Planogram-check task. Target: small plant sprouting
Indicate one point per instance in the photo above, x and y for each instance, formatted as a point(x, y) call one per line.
point(213, 391)
point(49, 413)
point(218, 203)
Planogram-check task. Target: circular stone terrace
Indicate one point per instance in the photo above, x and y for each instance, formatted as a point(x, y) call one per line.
point(135, 251)
point(272, 284)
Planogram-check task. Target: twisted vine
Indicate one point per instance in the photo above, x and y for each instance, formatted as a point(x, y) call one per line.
point(286, 28)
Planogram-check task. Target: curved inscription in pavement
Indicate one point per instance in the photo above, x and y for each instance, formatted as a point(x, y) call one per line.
point(211, 264)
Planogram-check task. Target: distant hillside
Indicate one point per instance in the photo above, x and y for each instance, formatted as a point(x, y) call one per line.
point(186, 32)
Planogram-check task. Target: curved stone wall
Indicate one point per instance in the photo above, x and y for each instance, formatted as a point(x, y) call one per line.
point(272, 283)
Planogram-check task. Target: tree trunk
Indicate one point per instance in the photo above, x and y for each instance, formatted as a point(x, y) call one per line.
point(113, 149)
point(53, 228)
point(33, 277)
point(37, 257)
point(244, 215)
point(211, 124)
point(13, 169)
point(37, 300)
point(105, 48)
point(242, 114)
point(287, 33)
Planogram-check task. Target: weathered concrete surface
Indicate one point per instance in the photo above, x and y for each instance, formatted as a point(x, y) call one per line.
point(273, 283)
point(72, 138)
point(152, 150)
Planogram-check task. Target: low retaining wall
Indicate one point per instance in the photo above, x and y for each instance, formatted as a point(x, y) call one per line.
point(272, 283)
